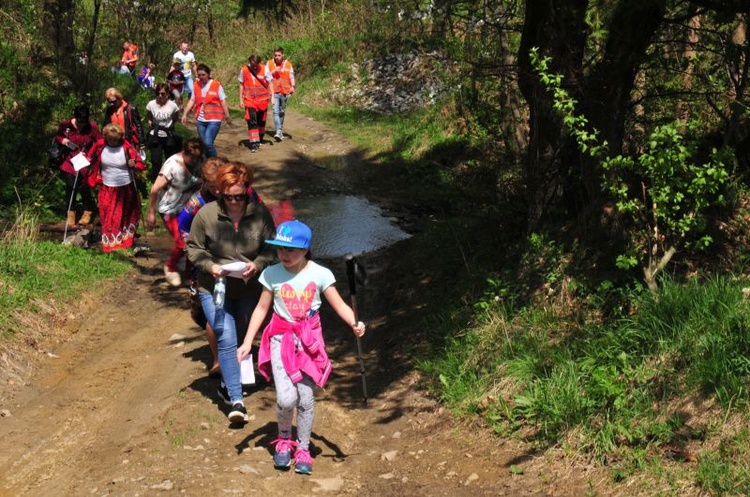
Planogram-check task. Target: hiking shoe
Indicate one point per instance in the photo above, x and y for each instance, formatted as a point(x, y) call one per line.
point(238, 414)
point(278, 136)
point(172, 277)
point(282, 456)
point(254, 147)
point(224, 394)
point(303, 462)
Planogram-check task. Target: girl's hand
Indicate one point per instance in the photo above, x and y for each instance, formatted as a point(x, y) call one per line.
point(242, 351)
point(358, 328)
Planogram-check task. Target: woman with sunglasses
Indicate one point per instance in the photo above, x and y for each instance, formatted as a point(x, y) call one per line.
point(210, 103)
point(162, 140)
point(232, 229)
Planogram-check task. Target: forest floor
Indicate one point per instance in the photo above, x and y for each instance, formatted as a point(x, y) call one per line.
point(110, 395)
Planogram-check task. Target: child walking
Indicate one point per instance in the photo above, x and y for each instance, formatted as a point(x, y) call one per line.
point(292, 347)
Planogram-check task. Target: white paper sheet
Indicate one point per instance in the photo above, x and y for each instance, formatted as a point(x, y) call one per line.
point(79, 161)
point(247, 371)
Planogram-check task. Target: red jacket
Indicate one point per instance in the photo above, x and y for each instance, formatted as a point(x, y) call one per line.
point(82, 140)
point(95, 157)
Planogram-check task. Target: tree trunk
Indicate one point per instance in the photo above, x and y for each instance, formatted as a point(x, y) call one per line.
point(682, 110)
point(558, 29)
point(59, 15)
point(557, 174)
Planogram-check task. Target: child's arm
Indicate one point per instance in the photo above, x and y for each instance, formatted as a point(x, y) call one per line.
point(256, 319)
point(343, 310)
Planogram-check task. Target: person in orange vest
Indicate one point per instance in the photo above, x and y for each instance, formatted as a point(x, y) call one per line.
point(210, 103)
point(119, 111)
point(283, 85)
point(129, 56)
point(256, 88)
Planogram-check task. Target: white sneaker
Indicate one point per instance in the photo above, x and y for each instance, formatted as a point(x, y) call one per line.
point(278, 136)
point(172, 277)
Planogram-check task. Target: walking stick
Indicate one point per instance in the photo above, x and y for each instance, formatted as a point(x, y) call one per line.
point(70, 205)
point(354, 273)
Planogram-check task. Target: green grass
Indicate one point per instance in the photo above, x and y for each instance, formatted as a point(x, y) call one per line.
point(609, 388)
point(33, 271)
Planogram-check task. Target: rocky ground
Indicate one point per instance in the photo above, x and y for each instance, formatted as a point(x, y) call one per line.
point(112, 396)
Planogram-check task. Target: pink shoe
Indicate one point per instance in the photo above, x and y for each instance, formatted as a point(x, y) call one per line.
point(303, 462)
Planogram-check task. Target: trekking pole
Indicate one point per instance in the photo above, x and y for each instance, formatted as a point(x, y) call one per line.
point(70, 205)
point(140, 206)
point(354, 272)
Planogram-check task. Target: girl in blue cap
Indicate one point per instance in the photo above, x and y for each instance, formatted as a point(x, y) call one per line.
point(292, 347)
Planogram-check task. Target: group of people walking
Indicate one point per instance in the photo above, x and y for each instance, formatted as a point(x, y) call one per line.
point(240, 264)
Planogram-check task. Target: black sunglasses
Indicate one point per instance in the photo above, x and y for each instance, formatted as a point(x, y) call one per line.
point(161, 93)
point(236, 198)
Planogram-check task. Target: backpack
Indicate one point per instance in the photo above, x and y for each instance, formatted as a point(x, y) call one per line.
point(55, 154)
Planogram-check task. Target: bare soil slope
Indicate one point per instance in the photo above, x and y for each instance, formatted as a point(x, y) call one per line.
point(114, 397)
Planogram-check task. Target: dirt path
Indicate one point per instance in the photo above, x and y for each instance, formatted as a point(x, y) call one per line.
point(116, 401)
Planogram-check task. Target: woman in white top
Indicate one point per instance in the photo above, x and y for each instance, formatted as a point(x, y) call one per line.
point(162, 140)
point(113, 164)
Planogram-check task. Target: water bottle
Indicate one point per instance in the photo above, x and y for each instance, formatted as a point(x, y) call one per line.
point(220, 290)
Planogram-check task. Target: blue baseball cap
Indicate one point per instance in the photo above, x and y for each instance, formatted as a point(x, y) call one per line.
point(292, 234)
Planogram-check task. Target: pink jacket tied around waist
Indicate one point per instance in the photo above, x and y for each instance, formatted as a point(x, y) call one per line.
point(310, 359)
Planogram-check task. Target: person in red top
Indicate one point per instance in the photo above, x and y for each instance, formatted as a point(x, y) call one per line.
point(113, 164)
point(210, 104)
point(77, 135)
point(256, 88)
point(129, 56)
point(176, 82)
point(283, 85)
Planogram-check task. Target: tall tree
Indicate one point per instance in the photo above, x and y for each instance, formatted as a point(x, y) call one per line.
point(601, 74)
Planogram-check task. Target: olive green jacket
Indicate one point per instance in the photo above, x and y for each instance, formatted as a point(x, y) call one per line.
point(213, 240)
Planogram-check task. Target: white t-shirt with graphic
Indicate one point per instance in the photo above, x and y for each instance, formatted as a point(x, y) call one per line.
point(163, 115)
point(297, 296)
point(181, 185)
point(187, 60)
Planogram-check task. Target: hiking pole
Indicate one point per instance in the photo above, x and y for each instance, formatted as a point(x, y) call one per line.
point(70, 205)
point(354, 273)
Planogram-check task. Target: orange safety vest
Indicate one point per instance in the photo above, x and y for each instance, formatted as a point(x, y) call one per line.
point(130, 56)
point(212, 108)
point(255, 92)
point(282, 76)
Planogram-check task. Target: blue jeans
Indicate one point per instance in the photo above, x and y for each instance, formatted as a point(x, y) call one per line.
point(279, 110)
point(226, 322)
point(188, 87)
point(208, 130)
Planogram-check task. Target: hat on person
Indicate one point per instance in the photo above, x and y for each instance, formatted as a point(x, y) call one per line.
point(292, 234)
point(176, 61)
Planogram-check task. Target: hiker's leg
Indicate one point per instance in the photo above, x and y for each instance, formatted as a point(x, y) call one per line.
point(305, 411)
point(286, 392)
point(223, 324)
point(277, 111)
point(208, 132)
point(178, 249)
point(157, 159)
point(261, 120)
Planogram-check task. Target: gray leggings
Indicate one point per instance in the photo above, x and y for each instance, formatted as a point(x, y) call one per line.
point(290, 395)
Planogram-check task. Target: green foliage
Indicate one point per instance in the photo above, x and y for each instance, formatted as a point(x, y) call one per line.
point(608, 389)
point(664, 192)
